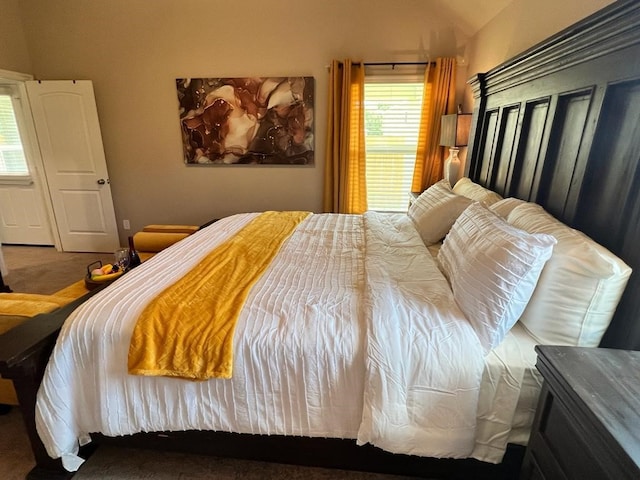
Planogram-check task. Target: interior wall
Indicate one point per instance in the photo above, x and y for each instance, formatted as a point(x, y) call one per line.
point(521, 25)
point(134, 50)
point(14, 54)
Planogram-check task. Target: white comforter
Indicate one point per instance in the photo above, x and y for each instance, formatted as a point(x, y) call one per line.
point(352, 332)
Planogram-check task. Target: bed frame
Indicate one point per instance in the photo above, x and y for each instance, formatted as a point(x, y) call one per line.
point(558, 125)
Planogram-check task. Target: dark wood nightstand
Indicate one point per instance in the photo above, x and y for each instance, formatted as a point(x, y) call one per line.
point(587, 424)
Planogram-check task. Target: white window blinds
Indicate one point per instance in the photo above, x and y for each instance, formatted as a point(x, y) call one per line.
point(392, 120)
point(12, 159)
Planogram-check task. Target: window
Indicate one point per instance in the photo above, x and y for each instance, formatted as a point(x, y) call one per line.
point(392, 107)
point(12, 158)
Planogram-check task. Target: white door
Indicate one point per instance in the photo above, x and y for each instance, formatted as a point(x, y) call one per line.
point(68, 130)
point(24, 217)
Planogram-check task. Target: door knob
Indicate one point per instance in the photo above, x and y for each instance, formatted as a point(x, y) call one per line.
point(101, 181)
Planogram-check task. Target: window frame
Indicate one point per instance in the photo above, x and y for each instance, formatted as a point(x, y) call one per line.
point(12, 89)
point(387, 76)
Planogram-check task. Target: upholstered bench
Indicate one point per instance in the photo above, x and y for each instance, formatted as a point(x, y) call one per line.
point(17, 307)
point(7, 392)
point(154, 238)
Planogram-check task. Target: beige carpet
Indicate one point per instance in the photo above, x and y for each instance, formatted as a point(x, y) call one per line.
point(107, 464)
point(16, 458)
point(111, 463)
point(44, 270)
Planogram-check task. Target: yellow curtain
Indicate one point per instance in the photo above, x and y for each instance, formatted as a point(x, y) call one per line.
point(344, 173)
point(438, 100)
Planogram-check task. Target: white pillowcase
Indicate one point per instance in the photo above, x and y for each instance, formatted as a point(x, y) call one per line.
point(505, 206)
point(467, 188)
point(435, 210)
point(580, 285)
point(493, 269)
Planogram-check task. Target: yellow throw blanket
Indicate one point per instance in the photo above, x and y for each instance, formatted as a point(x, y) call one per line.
point(187, 331)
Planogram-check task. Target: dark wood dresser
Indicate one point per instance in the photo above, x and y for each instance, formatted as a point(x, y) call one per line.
point(587, 424)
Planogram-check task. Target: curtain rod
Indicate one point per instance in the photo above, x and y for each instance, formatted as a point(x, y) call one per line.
point(393, 64)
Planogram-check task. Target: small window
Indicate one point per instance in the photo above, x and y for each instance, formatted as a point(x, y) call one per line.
point(392, 109)
point(12, 158)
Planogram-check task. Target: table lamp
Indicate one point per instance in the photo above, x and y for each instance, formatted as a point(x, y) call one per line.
point(454, 133)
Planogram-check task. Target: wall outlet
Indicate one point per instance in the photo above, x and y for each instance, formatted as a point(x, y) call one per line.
point(126, 225)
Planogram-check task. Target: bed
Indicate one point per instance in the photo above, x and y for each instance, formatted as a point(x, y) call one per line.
point(556, 126)
point(334, 334)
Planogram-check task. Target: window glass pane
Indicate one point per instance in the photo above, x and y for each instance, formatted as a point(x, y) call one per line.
point(12, 159)
point(392, 121)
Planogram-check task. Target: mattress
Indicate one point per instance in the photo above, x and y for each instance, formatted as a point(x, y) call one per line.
point(529, 389)
point(504, 416)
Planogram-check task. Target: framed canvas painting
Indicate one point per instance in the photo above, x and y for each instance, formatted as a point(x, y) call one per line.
point(247, 121)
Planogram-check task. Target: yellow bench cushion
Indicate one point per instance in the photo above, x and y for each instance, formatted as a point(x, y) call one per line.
point(7, 322)
point(189, 229)
point(30, 304)
point(7, 392)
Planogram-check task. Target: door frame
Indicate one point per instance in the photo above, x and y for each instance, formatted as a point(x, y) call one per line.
point(33, 156)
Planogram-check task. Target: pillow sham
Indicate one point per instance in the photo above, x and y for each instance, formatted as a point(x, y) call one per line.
point(505, 206)
point(493, 268)
point(579, 288)
point(467, 188)
point(435, 210)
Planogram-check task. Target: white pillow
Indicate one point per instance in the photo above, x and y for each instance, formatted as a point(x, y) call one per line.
point(580, 285)
point(467, 188)
point(505, 206)
point(435, 210)
point(493, 268)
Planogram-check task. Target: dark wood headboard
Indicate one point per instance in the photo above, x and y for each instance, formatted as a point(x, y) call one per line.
point(559, 125)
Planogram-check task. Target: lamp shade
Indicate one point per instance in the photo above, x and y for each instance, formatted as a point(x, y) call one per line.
point(454, 130)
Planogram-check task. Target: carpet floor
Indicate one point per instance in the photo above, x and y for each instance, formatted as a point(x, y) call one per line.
point(108, 463)
point(115, 463)
point(44, 270)
point(16, 458)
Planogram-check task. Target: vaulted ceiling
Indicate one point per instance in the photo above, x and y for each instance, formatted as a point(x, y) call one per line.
point(470, 15)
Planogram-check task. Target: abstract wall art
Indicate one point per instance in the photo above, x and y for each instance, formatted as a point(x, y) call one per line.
point(247, 120)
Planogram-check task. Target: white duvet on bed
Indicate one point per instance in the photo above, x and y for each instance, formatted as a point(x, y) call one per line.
point(352, 332)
